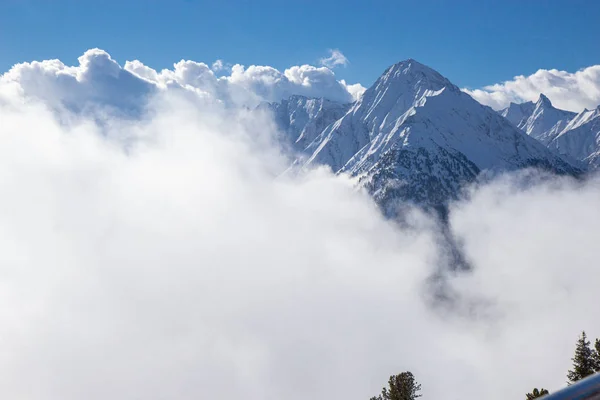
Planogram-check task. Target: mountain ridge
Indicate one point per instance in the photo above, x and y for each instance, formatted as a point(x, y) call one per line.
point(540, 120)
point(415, 136)
point(572, 135)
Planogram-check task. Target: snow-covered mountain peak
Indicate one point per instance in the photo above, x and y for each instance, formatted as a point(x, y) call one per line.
point(544, 105)
point(543, 101)
point(390, 101)
point(518, 113)
point(541, 120)
point(583, 118)
point(581, 138)
point(412, 73)
point(302, 118)
point(401, 88)
point(411, 66)
point(415, 136)
point(574, 136)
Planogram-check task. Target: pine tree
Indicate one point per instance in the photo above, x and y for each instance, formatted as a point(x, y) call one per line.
point(597, 355)
point(537, 393)
point(583, 362)
point(400, 387)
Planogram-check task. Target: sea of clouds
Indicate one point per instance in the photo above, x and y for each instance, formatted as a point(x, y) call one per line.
point(152, 249)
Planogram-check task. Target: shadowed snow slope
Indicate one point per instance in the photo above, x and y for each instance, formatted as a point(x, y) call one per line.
point(518, 113)
point(303, 118)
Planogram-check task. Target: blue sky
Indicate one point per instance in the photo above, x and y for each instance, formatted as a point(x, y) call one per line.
point(473, 43)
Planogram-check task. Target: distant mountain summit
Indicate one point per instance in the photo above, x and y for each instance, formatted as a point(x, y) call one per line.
point(580, 139)
point(540, 120)
point(303, 118)
point(576, 136)
point(518, 114)
point(414, 136)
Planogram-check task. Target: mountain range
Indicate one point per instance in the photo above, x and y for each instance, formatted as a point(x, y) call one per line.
point(573, 135)
point(416, 137)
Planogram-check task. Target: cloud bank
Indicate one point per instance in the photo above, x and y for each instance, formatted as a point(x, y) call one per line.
point(567, 90)
point(100, 80)
point(164, 256)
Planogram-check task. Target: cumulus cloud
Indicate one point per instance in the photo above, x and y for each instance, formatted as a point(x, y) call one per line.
point(164, 256)
point(567, 90)
point(335, 59)
point(98, 79)
point(356, 90)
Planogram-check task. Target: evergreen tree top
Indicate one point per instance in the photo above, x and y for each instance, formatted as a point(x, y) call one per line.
point(537, 393)
point(584, 363)
point(400, 387)
point(597, 355)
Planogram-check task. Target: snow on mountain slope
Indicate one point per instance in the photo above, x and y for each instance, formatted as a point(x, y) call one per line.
point(546, 121)
point(576, 136)
point(414, 135)
point(303, 118)
point(518, 113)
point(583, 118)
point(383, 106)
point(581, 138)
point(541, 120)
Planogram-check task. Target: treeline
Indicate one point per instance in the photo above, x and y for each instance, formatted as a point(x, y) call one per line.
point(586, 362)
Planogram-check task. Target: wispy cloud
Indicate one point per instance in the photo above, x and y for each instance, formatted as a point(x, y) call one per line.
point(218, 65)
point(336, 58)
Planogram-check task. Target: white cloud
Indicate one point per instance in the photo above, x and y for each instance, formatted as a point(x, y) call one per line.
point(99, 80)
point(567, 90)
point(218, 66)
point(335, 59)
point(356, 90)
point(313, 79)
point(159, 257)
